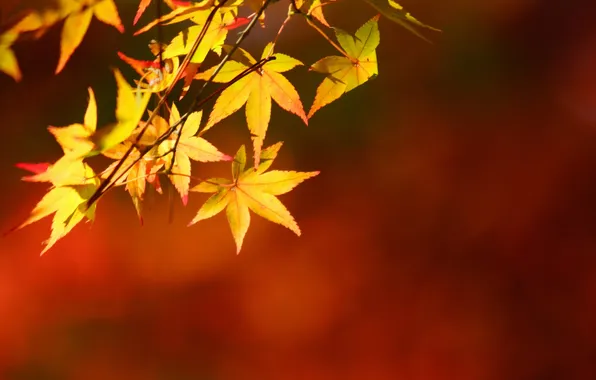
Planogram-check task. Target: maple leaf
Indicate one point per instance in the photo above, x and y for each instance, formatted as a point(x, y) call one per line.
point(66, 199)
point(396, 13)
point(346, 73)
point(213, 39)
point(145, 169)
point(74, 138)
point(77, 15)
point(251, 189)
point(142, 6)
point(77, 22)
point(8, 60)
point(256, 90)
point(81, 140)
point(189, 147)
point(130, 107)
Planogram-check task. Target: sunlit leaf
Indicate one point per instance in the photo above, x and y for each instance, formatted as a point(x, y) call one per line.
point(185, 148)
point(130, 107)
point(256, 91)
point(346, 73)
point(67, 201)
point(8, 60)
point(77, 23)
point(250, 189)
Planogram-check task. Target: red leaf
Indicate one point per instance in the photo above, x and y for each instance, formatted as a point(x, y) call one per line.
point(142, 6)
point(34, 168)
point(238, 22)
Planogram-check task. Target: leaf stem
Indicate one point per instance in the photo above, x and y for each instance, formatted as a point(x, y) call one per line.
point(281, 28)
point(336, 46)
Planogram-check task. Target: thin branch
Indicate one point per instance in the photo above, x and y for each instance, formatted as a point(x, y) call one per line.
point(221, 64)
point(109, 181)
point(281, 28)
point(172, 128)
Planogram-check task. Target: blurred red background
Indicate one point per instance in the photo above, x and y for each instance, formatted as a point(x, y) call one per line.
point(450, 234)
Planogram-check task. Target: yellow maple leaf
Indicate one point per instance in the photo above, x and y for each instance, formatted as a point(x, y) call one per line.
point(8, 60)
point(82, 140)
point(256, 90)
point(158, 158)
point(74, 139)
point(213, 38)
point(189, 147)
point(130, 107)
point(73, 184)
point(345, 73)
point(77, 22)
point(251, 189)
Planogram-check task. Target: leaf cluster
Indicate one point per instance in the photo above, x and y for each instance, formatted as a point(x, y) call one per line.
point(150, 145)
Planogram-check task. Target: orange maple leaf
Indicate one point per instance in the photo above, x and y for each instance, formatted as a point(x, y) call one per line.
point(256, 90)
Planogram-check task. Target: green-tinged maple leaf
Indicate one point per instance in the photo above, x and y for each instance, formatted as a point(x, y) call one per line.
point(66, 199)
point(251, 189)
point(130, 107)
point(77, 23)
point(348, 72)
point(190, 147)
point(80, 140)
point(396, 13)
point(256, 90)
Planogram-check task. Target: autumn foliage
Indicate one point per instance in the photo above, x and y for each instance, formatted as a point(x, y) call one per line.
point(157, 143)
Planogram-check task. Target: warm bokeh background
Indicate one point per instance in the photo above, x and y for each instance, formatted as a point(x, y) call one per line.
point(450, 235)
